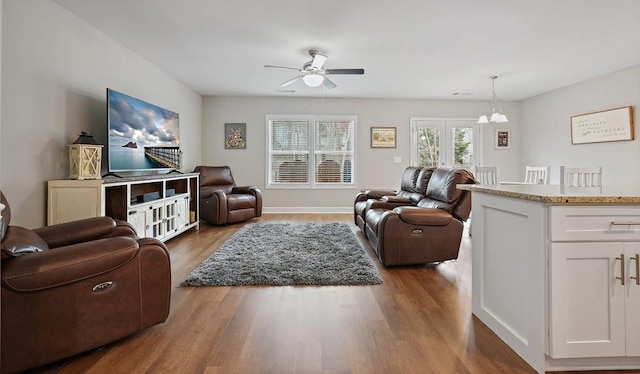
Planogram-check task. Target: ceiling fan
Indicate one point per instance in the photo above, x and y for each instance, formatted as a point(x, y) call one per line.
point(314, 73)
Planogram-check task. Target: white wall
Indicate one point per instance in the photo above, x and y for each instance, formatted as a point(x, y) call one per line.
point(546, 128)
point(374, 167)
point(55, 70)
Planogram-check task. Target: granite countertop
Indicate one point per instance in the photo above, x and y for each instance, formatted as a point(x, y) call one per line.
point(556, 194)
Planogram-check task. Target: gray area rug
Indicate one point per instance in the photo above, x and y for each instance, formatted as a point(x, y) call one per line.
point(283, 254)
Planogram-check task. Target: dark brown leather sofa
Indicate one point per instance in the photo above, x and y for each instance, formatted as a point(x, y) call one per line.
point(221, 201)
point(413, 187)
point(76, 286)
point(431, 230)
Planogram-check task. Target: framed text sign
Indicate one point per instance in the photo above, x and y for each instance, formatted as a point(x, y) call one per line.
point(606, 126)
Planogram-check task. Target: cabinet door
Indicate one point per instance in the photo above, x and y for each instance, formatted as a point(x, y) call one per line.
point(182, 212)
point(170, 218)
point(632, 256)
point(138, 219)
point(156, 220)
point(587, 301)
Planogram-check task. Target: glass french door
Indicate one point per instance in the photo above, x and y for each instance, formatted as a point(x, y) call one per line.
point(445, 143)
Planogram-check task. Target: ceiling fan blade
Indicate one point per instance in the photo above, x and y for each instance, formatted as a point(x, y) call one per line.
point(318, 61)
point(290, 81)
point(328, 83)
point(344, 71)
point(281, 67)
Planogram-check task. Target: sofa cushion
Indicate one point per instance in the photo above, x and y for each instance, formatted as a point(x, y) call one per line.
point(423, 180)
point(410, 178)
point(442, 185)
point(19, 241)
point(215, 176)
point(238, 201)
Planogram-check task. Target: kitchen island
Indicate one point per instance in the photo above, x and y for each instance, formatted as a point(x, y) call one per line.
point(556, 273)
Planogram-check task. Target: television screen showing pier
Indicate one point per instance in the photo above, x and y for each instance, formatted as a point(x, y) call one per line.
point(142, 136)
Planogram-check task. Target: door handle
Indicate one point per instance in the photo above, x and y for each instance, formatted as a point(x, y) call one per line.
point(621, 277)
point(636, 258)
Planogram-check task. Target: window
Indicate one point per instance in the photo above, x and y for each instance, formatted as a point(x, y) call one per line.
point(310, 151)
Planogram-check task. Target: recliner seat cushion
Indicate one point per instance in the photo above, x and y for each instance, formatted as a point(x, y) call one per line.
point(237, 202)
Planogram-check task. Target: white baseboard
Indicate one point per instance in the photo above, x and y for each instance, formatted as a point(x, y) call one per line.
point(307, 210)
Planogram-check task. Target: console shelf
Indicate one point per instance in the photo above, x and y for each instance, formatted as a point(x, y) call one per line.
point(159, 206)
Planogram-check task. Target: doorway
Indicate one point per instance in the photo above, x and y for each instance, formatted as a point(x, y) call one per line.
point(453, 143)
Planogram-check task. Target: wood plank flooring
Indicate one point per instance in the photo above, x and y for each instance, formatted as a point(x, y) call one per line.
point(418, 321)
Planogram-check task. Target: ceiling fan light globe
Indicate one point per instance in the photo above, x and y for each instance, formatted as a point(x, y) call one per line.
point(313, 80)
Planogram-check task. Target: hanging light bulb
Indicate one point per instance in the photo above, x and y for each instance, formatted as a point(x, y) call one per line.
point(496, 113)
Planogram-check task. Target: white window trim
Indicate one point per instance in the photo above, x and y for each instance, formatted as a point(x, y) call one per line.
point(312, 153)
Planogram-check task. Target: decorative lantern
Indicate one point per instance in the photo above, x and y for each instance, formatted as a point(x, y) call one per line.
point(85, 157)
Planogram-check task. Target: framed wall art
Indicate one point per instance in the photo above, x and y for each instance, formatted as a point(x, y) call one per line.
point(502, 139)
point(383, 137)
point(605, 126)
point(235, 135)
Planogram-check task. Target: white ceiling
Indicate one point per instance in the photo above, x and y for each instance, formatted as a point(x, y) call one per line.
point(423, 49)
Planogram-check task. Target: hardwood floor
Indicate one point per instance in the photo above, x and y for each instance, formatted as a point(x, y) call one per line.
point(418, 321)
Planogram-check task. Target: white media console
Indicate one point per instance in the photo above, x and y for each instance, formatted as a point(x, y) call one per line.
point(158, 206)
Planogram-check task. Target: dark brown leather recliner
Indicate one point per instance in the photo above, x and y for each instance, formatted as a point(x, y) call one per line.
point(76, 286)
point(221, 201)
point(431, 231)
point(413, 188)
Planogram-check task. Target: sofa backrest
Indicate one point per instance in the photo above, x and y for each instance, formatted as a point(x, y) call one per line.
point(216, 177)
point(443, 194)
point(414, 182)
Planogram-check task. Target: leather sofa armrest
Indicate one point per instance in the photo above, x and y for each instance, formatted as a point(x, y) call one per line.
point(207, 191)
point(380, 204)
point(244, 189)
point(77, 231)
point(397, 199)
point(68, 264)
point(378, 194)
point(423, 216)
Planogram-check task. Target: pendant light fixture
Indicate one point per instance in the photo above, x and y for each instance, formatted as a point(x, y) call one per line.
point(496, 113)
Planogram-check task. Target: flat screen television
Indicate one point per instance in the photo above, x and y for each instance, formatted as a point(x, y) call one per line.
point(142, 136)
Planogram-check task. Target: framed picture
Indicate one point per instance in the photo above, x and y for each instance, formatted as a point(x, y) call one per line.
point(503, 139)
point(235, 135)
point(606, 126)
point(383, 137)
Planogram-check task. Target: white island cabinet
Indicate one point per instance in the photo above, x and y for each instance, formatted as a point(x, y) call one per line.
point(556, 275)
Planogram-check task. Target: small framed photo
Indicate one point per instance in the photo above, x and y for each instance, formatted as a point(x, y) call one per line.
point(383, 137)
point(235, 135)
point(503, 139)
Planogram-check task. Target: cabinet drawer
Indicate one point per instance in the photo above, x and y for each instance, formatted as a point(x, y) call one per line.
point(594, 223)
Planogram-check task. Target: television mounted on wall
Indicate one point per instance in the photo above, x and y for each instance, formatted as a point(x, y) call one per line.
point(141, 136)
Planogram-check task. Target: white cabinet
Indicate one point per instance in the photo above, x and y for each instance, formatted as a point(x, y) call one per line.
point(160, 206)
point(594, 282)
point(73, 199)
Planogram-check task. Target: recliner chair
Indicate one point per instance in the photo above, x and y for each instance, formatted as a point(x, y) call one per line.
point(76, 286)
point(221, 201)
point(431, 231)
point(413, 186)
